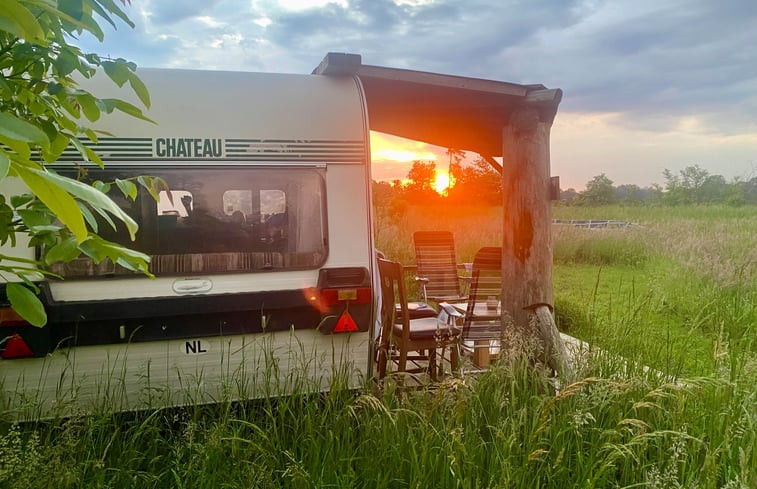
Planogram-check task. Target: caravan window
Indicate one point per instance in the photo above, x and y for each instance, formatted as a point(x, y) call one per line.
point(221, 219)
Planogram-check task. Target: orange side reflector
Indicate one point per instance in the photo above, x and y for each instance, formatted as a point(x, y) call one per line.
point(345, 324)
point(16, 347)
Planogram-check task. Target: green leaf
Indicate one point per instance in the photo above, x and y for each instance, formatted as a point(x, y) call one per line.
point(127, 108)
point(5, 164)
point(54, 88)
point(57, 147)
point(92, 252)
point(91, 134)
point(154, 185)
point(66, 62)
point(98, 249)
point(51, 130)
point(22, 150)
point(87, 152)
point(65, 122)
point(64, 17)
point(26, 304)
point(49, 228)
point(114, 9)
point(95, 198)
point(55, 197)
point(66, 250)
point(118, 72)
point(20, 22)
point(88, 216)
point(33, 218)
point(20, 200)
point(72, 8)
point(93, 27)
point(18, 129)
point(127, 188)
point(89, 107)
point(101, 186)
point(92, 58)
point(139, 88)
point(102, 13)
point(4, 87)
point(105, 217)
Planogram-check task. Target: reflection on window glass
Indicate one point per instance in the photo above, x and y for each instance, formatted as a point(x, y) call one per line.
point(225, 219)
point(237, 201)
point(174, 203)
point(272, 202)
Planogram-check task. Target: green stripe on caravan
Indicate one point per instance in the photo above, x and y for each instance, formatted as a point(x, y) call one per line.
point(188, 148)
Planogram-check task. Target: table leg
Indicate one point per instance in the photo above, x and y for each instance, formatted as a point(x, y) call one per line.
point(481, 353)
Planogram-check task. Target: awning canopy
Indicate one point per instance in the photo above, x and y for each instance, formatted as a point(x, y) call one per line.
point(444, 110)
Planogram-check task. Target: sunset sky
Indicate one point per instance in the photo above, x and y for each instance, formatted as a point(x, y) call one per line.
point(648, 84)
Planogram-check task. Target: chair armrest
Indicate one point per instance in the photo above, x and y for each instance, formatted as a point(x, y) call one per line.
point(422, 281)
point(450, 310)
point(449, 315)
point(466, 283)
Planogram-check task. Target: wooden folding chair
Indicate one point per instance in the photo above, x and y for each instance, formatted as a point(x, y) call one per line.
point(401, 335)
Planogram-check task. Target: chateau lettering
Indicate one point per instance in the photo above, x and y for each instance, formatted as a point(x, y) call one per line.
point(188, 148)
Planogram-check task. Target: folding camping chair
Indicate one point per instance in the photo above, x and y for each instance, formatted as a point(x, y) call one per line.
point(481, 316)
point(437, 267)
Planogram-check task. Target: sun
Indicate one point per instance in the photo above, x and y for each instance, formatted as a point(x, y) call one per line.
point(442, 182)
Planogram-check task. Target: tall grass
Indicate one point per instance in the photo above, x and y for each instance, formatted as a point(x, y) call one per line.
point(472, 227)
point(638, 297)
point(507, 428)
point(675, 286)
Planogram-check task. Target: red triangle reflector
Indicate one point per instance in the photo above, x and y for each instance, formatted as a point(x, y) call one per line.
point(345, 323)
point(16, 347)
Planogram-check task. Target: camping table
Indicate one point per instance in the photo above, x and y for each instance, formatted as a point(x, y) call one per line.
point(481, 355)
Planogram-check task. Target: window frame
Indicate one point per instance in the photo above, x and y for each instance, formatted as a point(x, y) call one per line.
point(254, 260)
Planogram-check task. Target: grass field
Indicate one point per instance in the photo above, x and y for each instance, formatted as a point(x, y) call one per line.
point(678, 293)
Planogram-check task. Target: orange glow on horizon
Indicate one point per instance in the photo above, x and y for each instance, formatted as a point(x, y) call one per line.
point(392, 148)
point(392, 158)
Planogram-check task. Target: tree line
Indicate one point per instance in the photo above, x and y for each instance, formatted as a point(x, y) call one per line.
point(478, 183)
point(691, 186)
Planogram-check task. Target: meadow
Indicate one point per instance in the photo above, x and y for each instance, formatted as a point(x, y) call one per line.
point(664, 398)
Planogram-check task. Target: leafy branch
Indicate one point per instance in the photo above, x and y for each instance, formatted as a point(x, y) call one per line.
point(43, 112)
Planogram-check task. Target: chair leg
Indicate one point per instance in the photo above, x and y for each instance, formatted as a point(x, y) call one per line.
point(381, 361)
point(432, 363)
point(454, 359)
point(402, 363)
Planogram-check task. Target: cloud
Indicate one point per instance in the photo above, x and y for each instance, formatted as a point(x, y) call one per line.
point(585, 145)
point(168, 12)
point(677, 69)
point(662, 58)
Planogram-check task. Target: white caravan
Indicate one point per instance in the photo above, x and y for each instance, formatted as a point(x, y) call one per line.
point(262, 255)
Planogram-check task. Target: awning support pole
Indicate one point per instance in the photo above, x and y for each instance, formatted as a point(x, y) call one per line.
point(527, 224)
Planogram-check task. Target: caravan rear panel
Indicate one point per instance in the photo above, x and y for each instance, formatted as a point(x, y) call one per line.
point(261, 250)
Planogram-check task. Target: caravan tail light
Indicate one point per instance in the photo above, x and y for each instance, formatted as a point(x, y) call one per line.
point(12, 344)
point(323, 300)
point(332, 297)
point(344, 298)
